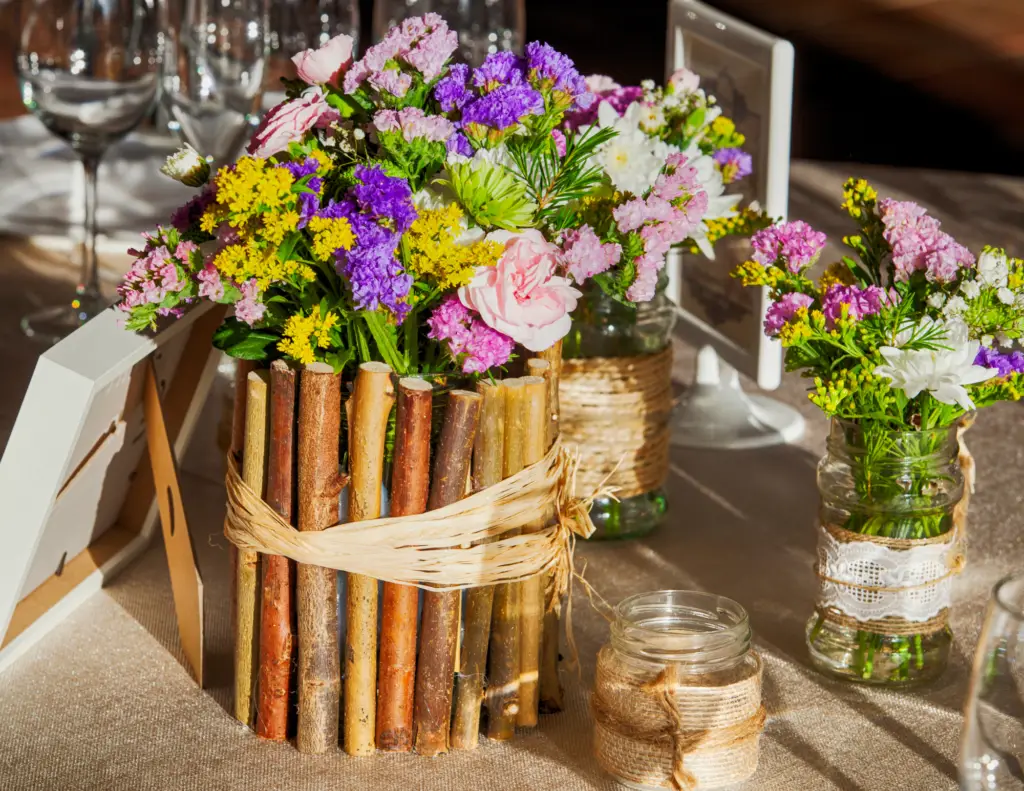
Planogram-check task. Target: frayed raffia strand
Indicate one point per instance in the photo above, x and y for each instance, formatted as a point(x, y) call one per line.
point(440, 549)
point(616, 410)
point(674, 732)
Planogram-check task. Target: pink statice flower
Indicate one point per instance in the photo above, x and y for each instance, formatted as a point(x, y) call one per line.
point(210, 284)
point(560, 142)
point(782, 311)
point(919, 245)
point(796, 243)
point(249, 308)
point(414, 124)
point(423, 43)
point(155, 273)
point(585, 255)
point(479, 346)
point(859, 302)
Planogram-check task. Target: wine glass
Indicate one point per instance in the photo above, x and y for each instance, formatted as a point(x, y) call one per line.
point(89, 71)
point(992, 743)
point(213, 75)
point(484, 26)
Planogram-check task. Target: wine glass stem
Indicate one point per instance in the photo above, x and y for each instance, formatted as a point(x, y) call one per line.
point(89, 283)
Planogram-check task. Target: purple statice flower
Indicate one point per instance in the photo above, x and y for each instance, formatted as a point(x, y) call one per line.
point(309, 202)
point(735, 164)
point(585, 256)
point(249, 308)
point(459, 144)
point(502, 108)
point(620, 98)
point(918, 244)
point(480, 347)
point(384, 197)
point(175, 312)
point(1005, 364)
point(550, 70)
point(376, 277)
point(210, 284)
point(451, 92)
point(499, 68)
point(414, 124)
point(859, 302)
point(796, 242)
point(782, 311)
point(184, 217)
point(307, 167)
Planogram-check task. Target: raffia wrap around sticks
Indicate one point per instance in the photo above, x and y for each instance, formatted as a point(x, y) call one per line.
point(458, 546)
point(616, 411)
point(677, 731)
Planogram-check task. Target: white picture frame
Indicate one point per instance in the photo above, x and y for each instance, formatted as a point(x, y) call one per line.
point(75, 479)
point(712, 44)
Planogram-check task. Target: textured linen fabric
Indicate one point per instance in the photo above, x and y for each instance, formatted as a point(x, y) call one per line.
point(104, 702)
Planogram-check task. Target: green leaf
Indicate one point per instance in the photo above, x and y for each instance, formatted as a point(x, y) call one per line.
point(385, 336)
point(238, 339)
point(339, 359)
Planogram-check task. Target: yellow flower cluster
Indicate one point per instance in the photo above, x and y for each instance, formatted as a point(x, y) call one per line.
point(744, 223)
point(836, 274)
point(330, 234)
point(246, 260)
point(725, 131)
point(432, 250)
point(751, 273)
point(858, 195)
point(829, 396)
point(302, 334)
point(277, 224)
point(796, 330)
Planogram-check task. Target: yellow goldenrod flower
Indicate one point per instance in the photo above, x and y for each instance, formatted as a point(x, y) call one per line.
point(277, 224)
point(432, 249)
point(330, 234)
point(836, 274)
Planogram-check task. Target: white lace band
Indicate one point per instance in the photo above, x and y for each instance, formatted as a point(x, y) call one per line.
point(867, 578)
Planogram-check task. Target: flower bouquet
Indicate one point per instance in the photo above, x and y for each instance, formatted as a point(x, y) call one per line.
point(400, 214)
point(901, 343)
point(666, 176)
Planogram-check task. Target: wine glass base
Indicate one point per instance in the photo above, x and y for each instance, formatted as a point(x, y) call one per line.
point(53, 324)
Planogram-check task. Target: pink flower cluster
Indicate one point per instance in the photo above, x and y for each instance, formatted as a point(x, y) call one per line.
point(797, 243)
point(782, 311)
point(154, 274)
point(424, 43)
point(668, 215)
point(413, 123)
point(859, 302)
point(249, 308)
point(918, 245)
point(466, 335)
point(210, 284)
point(585, 256)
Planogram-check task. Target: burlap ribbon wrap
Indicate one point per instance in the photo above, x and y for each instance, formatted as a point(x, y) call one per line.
point(616, 411)
point(458, 546)
point(677, 731)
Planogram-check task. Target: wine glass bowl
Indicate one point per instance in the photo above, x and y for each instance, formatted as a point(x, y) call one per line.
point(89, 71)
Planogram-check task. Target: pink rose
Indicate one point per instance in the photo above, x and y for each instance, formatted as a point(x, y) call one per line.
point(290, 121)
point(320, 66)
point(521, 296)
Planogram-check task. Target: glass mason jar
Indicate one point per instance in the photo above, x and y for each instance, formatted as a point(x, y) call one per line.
point(603, 327)
point(704, 640)
point(895, 485)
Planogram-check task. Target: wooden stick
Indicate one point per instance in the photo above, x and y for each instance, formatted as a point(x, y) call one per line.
point(550, 684)
point(254, 465)
point(367, 429)
point(440, 627)
point(488, 452)
point(410, 486)
point(553, 356)
point(276, 637)
point(531, 616)
point(502, 696)
point(319, 676)
point(242, 371)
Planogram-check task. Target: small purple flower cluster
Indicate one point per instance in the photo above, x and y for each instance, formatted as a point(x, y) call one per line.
point(414, 124)
point(918, 245)
point(585, 255)
point(467, 335)
point(604, 89)
point(424, 43)
point(380, 210)
point(670, 213)
point(309, 202)
point(858, 302)
point(187, 215)
point(735, 164)
point(1005, 364)
point(555, 75)
point(782, 311)
point(797, 243)
point(155, 273)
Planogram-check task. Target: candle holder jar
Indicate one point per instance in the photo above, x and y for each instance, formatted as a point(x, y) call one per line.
point(677, 694)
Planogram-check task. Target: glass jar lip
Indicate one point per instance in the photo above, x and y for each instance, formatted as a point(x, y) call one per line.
point(1000, 595)
point(711, 603)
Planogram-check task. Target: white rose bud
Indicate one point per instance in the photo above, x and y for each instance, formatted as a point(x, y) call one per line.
point(1005, 296)
point(187, 166)
point(937, 300)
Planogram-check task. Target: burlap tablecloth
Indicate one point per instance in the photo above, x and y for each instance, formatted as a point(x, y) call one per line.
point(104, 701)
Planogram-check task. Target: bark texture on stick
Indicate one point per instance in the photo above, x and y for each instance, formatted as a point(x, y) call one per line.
point(372, 400)
point(488, 453)
point(319, 676)
point(532, 590)
point(242, 370)
point(553, 356)
point(254, 466)
point(410, 487)
point(276, 636)
point(502, 696)
point(440, 628)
